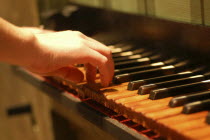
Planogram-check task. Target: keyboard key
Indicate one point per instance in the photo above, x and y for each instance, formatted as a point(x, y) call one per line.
point(178, 90)
point(146, 89)
point(132, 57)
point(128, 53)
point(144, 74)
point(181, 100)
point(134, 85)
point(196, 106)
point(137, 62)
point(139, 68)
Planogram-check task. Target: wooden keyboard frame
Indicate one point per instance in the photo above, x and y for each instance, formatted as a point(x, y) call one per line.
point(69, 100)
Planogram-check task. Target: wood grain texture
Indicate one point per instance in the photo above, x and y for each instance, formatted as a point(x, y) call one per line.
point(84, 129)
point(16, 92)
point(92, 3)
point(22, 13)
point(183, 11)
point(206, 6)
point(49, 5)
point(131, 6)
point(15, 127)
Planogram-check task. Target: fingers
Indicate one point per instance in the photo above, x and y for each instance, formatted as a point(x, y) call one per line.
point(101, 62)
point(97, 46)
point(68, 73)
point(105, 51)
point(101, 48)
point(70, 47)
point(90, 73)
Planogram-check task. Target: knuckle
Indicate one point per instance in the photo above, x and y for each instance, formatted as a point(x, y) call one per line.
point(79, 43)
point(68, 32)
point(108, 51)
point(84, 53)
point(104, 61)
point(82, 44)
point(78, 33)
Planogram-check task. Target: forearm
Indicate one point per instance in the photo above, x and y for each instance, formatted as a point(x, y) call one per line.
point(14, 44)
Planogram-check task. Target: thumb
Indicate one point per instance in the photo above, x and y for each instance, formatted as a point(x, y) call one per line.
point(69, 73)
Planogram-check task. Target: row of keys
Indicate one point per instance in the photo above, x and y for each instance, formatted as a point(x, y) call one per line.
point(166, 115)
point(162, 77)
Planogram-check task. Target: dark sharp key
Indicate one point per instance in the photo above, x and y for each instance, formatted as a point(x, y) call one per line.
point(121, 78)
point(143, 74)
point(178, 90)
point(137, 62)
point(207, 75)
point(122, 48)
point(181, 100)
point(139, 68)
point(181, 66)
point(134, 85)
point(145, 67)
point(145, 89)
point(208, 118)
point(159, 94)
point(126, 58)
point(128, 53)
point(131, 57)
point(196, 106)
point(171, 61)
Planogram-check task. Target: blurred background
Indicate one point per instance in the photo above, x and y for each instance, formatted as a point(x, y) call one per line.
point(28, 114)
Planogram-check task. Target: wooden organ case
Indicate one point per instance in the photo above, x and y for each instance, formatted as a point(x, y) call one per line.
point(161, 85)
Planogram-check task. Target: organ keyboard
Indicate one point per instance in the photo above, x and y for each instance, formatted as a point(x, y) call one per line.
point(174, 103)
point(162, 77)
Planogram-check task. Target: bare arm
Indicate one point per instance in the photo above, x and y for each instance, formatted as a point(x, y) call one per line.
point(54, 54)
point(13, 43)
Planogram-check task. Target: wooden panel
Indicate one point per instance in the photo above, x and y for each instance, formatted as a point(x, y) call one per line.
point(85, 116)
point(131, 6)
point(183, 11)
point(18, 126)
point(41, 105)
point(206, 6)
point(21, 128)
point(93, 3)
point(16, 92)
point(128, 6)
point(196, 12)
point(141, 6)
point(150, 7)
point(22, 13)
point(45, 5)
point(84, 130)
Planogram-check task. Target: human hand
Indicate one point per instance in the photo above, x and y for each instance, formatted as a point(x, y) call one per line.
point(36, 30)
point(55, 53)
point(58, 52)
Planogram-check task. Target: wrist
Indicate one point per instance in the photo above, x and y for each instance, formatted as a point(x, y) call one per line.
point(17, 45)
point(36, 55)
point(20, 47)
point(29, 48)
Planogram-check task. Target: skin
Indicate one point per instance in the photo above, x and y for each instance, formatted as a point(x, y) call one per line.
point(50, 53)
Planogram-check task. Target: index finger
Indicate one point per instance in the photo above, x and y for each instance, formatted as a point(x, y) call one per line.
point(101, 62)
